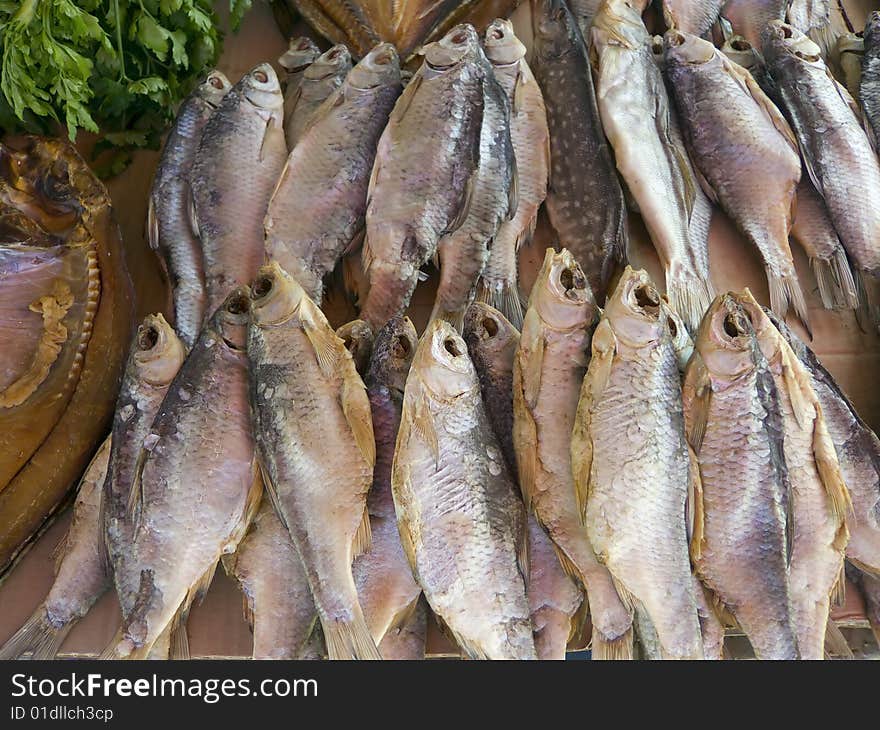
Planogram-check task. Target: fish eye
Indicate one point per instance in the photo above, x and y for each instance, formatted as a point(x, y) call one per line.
point(401, 347)
point(497, 34)
point(216, 82)
point(566, 278)
point(262, 286)
point(491, 326)
point(261, 76)
point(147, 338)
point(238, 305)
point(303, 44)
point(334, 54)
point(459, 37)
point(451, 347)
point(673, 328)
point(786, 31)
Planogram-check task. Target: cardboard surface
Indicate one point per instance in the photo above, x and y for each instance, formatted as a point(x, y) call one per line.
point(217, 628)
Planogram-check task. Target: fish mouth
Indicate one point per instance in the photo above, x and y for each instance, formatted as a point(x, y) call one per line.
point(687, 49)
point(502, 46)
point(738, 43)
point(234, 317)
point(148, 337)
point(216, 87)
point(732, 323)
point(329, 63)
point(567, 279)
point(157, 351)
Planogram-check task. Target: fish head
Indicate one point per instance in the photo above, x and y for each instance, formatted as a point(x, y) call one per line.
point(657, 49)
point(872, 29)
point(726, 338)
point(561, 294)
point(332, 62)
point(460, 44)
point(501, 44)
point(743, 53)
point(214, 88)
point(619, 23)
point(442, 362)
point(300, 53)
point(488, 331)
point(686, 50)
point(767, 335)
point(157, 352)
point(261, 88)
point(781, 40)
point(275, 296)
point(380, 67)
point(555, 30)
point(393, 353)
point(635, 310)
point(230, 321)
point(358, 338)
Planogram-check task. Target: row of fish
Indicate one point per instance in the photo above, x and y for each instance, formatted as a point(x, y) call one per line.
point(506, 477)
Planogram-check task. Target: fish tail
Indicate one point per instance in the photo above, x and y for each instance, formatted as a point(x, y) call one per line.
point(689, 294)
point(836, 645)
point(179, 641)
point(837, 287)
point(349, 639)
point(619, 649)
point(37, 637)
point(455, 317)
point(785, 291)
point(505, 298)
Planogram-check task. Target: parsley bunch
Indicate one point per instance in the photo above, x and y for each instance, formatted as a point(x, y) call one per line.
point(113, 67)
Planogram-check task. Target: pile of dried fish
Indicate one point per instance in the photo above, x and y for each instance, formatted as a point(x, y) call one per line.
point(671, 465)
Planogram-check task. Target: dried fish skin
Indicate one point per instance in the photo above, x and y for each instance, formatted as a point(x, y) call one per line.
point(204, 413)
point(740, 511)
point(531, 145)
point(319, 81)
point(462, 524)
point(169, 222)
point(631, 463)
point(548, 371)
point(584, 199)
point(239, 158)
point(869, 87)
point(316, 212)
point(692, 16)
point(649, 152)
point(300, 54)
point(751, 169)
point(836, 149)
point(308, 400)
point(81, 574)
point(420, 190)
point(819, 500)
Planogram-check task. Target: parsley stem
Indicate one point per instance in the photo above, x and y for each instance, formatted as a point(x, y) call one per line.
point(119, 40)
point(25, 13)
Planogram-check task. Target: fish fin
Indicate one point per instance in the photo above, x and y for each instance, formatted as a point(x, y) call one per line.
point(696, 515)
point(194, 218)
point(619, 649)
point(153, 227)
point(253, 500)
point(405, 99)
point(748, 83)
point(689, 295)
point(356, 241)
point(37, 637)
point(179, 640)
point(836, 646)
point(423, 425)
point(270, 489)
point(838, 590)
point(518, 88)
point(567, 564)
point(785, 289)
point(273, 136)
point(327, 346)
point(513, 192)
point(401, 483)
point(363, 538)
point(135, 502)
point(349, 639)
point(706, 186)
point(593, 386)
point(837, 287)
point(797, 386)
point(531, 360)
point(677, 156)
point(523, 550)
point(356, 408)
point(470, 650)
point(525, 431)
point(832, 479)
point(697, 393)
point(578, 620)
point(465, 209)
point(198, 590)
point(422, 275)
